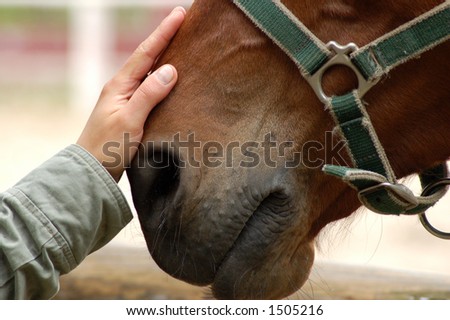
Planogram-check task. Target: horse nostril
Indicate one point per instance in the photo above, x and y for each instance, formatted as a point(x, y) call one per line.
point(166, 177)
point(154, 178)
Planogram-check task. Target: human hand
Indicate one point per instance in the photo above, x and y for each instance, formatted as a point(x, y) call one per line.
point(127, 99)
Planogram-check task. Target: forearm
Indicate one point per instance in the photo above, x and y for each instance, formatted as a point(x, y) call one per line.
point(52, 219)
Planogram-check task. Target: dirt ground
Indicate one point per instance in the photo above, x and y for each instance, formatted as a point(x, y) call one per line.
point(128, 273)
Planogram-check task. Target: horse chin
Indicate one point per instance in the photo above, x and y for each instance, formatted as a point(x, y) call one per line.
point(269, 274)
point(269, 280)
point(264, 262)
point(267, 260)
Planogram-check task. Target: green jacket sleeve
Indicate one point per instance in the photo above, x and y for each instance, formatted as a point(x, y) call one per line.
point(52, 219)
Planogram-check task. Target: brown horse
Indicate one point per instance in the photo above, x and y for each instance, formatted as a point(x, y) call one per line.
point(222, 205)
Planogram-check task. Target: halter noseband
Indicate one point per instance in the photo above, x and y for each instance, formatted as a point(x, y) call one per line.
point(371, 175)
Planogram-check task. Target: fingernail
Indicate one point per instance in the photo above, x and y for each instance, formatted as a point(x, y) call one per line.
point(165, 74)
point(180, 9)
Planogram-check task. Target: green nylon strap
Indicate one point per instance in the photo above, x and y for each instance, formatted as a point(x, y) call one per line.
point(279, 24)
point(354, 124)
point(371, 166)
point(408, 41)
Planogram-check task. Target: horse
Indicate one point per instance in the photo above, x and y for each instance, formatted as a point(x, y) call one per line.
point(228, 183)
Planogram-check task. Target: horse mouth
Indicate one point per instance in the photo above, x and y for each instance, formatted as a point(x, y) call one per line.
point(254, 267)
point(231, 242)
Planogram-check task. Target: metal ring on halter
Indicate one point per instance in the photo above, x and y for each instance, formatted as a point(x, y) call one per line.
point(341, 57)
point(423, 218)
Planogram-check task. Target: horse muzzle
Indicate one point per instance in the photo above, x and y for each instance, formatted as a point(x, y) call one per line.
point(236, 229)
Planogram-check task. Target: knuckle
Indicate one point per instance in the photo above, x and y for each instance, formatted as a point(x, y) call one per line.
point(161, 35)
point(148, 89)
point(109, 87)
point(146, 47)
point(142, 48)
point(151, 91)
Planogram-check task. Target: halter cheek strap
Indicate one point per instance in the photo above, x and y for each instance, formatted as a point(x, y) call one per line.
point(371, 175)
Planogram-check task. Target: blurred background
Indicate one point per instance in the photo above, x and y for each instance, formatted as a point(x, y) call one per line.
point(55, 57)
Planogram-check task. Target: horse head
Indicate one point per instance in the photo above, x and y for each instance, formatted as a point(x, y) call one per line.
point(228, 183)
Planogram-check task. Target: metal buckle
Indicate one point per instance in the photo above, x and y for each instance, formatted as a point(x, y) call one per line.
point(341, 58)
point(399, 190)
point(423, 217)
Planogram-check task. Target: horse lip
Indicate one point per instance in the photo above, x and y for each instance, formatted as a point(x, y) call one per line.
point(269, 203)
point(243, 253)
point(188, 267)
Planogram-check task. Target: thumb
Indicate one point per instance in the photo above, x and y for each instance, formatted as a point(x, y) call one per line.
point(151, 92)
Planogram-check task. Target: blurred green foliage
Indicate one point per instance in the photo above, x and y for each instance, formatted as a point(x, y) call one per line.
point(131, 16)
point(33, 95)
point(11, 17)
point(59, 17)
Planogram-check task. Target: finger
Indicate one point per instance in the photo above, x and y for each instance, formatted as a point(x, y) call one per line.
point(144, 57)
point(151, 92)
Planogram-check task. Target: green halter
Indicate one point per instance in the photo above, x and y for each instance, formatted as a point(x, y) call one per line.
point(371, 175)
